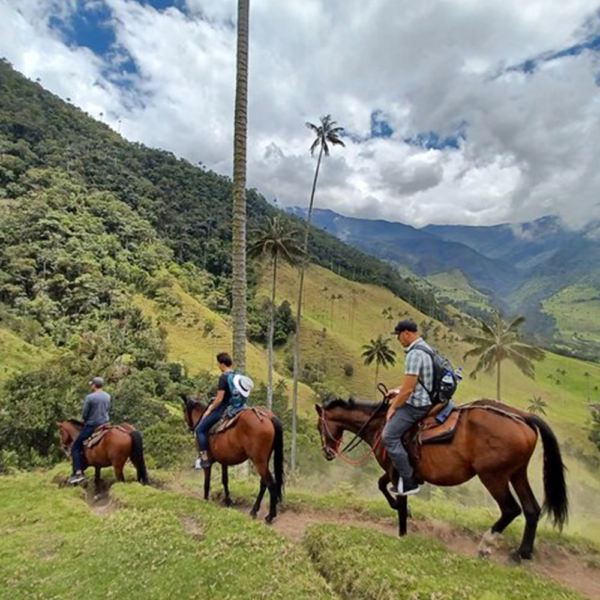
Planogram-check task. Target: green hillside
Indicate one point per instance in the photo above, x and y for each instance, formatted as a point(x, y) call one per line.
point(453, 286)
point(17, 355)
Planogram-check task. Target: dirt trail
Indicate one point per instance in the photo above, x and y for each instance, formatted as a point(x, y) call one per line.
point(551, 562)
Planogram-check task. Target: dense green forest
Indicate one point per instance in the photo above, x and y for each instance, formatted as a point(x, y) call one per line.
point(87, 221)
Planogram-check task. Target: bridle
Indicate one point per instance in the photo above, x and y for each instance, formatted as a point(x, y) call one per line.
point(357, 439)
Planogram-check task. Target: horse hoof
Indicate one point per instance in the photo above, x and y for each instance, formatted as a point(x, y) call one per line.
point(252, 515)
point(228, 502)
point(515, 557)
point(525, 555)
point(269, 519)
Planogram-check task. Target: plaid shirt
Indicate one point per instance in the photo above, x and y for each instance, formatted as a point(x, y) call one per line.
point(421, 364)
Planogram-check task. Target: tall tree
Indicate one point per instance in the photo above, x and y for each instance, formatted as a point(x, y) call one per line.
point(326, 134)
point(379, 351)
point(587, 383)
point(497, 342)
point(239, 283)
point(277, 241)
point(537, 405)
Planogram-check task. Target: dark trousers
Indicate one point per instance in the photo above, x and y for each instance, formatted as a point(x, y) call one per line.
point(77, 448)
point(404, 418)
point(205, 425)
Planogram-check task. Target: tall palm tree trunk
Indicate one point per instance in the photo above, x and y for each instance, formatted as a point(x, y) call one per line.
point(239, 190)
point(271, 335)
point(376, 378)
point(498, 380)
point(294, 448)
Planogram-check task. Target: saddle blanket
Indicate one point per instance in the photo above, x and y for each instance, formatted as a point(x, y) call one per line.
point(99, 434)
point(228, 422)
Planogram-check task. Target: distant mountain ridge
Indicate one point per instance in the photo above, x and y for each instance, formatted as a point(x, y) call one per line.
point(519, 265)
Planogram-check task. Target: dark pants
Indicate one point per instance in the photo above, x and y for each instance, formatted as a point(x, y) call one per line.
point(404, 418)
point(77, 448)
point(205, 425)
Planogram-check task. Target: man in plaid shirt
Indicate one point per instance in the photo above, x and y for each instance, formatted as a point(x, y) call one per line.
point(409, 404)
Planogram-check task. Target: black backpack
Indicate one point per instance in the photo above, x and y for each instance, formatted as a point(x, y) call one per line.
point(445, 381)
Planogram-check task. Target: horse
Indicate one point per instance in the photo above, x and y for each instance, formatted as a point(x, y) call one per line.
point(492, 440)
point(251, 437)
point(118, 444)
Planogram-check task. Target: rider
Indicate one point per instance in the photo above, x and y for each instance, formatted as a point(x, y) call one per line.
point(409, 404)
point(95, 413)
point(216, 408)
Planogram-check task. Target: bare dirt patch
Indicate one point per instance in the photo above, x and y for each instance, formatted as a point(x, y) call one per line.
point(193, 528)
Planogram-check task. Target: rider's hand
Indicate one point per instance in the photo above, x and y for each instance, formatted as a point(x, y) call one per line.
point(392, 394)
point(390, 413)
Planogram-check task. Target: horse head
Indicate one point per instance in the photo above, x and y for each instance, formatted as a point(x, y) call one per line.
point(193, 410)
point(331, 431)
point(67, 432)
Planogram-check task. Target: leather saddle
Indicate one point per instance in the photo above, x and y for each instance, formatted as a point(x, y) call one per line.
point(431, 431)
point(228, 422)
point(99, 434)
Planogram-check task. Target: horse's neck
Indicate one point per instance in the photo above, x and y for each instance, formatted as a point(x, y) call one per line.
point(356, 423)
point(73, 431)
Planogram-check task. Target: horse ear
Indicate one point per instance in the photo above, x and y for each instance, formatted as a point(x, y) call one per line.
point(319, 409)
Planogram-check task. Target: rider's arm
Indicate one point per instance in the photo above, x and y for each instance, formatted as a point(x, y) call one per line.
point(409, 384)
point(86, 409)
point(215, 404)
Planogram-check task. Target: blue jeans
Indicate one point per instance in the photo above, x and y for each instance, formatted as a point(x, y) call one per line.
point(205, 425)
point(404, 418)
point(77, 448)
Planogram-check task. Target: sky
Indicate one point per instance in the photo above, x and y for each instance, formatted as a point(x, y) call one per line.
point(455, 111)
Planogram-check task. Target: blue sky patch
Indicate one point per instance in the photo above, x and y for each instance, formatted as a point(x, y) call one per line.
point(380, 128)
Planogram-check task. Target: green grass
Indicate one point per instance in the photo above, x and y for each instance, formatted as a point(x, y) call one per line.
point(454, 286)
point(576, 310)
point(17, 355)
point(365, 565)
point(156, 545)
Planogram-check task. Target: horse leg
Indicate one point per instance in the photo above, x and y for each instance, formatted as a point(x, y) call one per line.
point(383, 483)
point(272, 498)
point(261, 493)
point(97, 478)
point(402, 515)
point(532, 511)
point(207, 472)
point(225, 481)
point(119, 472)
point(509, 508)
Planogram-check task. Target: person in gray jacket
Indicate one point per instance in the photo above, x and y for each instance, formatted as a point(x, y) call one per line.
point(95, 413)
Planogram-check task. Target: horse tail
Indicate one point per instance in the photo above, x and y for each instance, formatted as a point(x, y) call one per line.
point(556, 502)
point(137, 457)
point(278, 458)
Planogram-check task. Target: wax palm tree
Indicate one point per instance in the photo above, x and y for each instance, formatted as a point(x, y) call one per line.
point(239, 284)
point(379, 351)
point(587, 382)
point(326, 134)
point(537, 406)
point(497, 342)
point(277, 241)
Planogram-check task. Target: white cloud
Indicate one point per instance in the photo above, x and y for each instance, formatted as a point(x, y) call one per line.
point(531, 139)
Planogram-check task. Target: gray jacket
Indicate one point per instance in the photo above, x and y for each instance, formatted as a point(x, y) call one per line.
point(96, 408)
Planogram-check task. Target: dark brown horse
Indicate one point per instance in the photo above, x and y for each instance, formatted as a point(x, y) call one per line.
point(493, 441)
point(253, 438)
point(118, 445)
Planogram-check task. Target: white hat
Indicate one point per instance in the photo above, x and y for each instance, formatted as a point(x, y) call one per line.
point(243, 384)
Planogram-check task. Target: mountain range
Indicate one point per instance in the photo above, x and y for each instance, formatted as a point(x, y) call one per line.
point(518, 266)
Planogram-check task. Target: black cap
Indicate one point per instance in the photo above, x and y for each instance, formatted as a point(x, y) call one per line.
point(406, 325)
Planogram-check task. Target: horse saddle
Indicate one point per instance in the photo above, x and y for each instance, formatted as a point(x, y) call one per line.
point(438, 427)
point(99, 434)
point(227, 422)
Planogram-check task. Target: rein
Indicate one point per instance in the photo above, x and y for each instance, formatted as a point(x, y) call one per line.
point(357, 440)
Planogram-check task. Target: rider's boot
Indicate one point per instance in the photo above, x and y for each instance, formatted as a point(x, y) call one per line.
point(406, 487)
point(205, 461)
point(76, 478)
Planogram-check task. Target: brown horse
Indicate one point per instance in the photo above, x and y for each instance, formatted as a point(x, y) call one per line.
point(492, 440)
point(252, 437)
point(112, 450)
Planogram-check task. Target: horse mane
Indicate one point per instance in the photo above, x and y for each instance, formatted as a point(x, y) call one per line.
point(351, 404)
point(75, 422)
point(191, 403)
